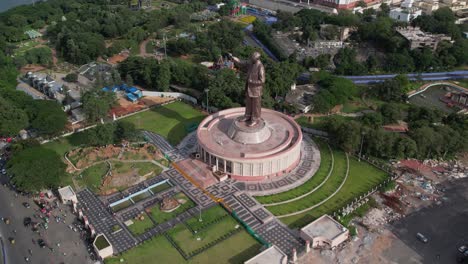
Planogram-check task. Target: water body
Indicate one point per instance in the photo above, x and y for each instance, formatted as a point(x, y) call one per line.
point(7, 4)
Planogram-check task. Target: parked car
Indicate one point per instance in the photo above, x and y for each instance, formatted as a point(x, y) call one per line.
point(3, 171)
point(422, 238)
point(41, 243)
point(27, 221)
point(27, 205)
point(463, 248)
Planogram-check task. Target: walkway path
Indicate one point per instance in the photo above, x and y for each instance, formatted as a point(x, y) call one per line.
point(313, 190)
point(428, 85)
point(328, 198)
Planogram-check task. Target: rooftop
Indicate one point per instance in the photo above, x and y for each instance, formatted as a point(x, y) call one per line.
point(271, 255)
point(302, 95)
point(325, 226)
point(66, 192)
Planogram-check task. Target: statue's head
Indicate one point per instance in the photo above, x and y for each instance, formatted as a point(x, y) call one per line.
point(255, 57)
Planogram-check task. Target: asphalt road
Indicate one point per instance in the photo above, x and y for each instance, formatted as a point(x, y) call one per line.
point(70, 242)
point(445, 225)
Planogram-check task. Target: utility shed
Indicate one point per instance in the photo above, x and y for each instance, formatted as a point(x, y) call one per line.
point(325, 232)
point(271, 255)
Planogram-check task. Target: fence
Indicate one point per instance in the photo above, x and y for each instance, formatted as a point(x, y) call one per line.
point(172, 95)
point(314, 131)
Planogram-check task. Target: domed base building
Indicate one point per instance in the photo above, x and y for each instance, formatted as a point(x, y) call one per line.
point(269, 149)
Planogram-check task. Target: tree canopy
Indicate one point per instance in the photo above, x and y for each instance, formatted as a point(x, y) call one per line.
point(36, 168)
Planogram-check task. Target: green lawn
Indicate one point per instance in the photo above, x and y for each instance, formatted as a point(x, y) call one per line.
point(190, 242)
point(169, 120)
point(140, 226)
point(65, 144)
point(330, 186)
point(142, 167)
point(317, 178)
point(236, 249)
point(92, 176)
point(121, 206)
point(353, 106)
point(208, 216)
point(161, 217)
point(161, 187)
point(362, 177)
point(156, 250)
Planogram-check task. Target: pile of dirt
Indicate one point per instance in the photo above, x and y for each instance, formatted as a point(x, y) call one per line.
point(113, 182)
point(84, 157)
point(126, 107)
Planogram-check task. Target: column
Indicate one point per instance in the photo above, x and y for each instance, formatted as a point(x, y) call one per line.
point(224, 164)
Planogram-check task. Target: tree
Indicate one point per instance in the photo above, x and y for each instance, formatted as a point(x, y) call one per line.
point(406, 148)
point(101, 135)
point(71, 77)
point(36, 168)
point(164, 76)
point(125, 130)
point(346, 63)
point(47, 117)
point(97, 103)
point(12, 118)
point(391, 112)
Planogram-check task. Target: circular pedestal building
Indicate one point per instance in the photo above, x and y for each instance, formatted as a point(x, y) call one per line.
point(270, 148)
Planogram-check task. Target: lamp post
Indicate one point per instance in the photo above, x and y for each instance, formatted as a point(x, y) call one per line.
point(207, 108)
point(362, 141)
point(199, 218)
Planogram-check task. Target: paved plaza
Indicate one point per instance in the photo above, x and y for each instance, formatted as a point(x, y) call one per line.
point(100, 217)
point(236, 195)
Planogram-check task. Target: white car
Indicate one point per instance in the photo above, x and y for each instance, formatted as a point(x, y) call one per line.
point(463, 248)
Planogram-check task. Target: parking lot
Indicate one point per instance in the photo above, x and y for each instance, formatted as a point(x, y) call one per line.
point(444, 225)
point(64, 245)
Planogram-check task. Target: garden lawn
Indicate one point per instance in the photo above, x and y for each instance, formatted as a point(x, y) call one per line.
point(189, 242)
point(140, 226)
point(236, 249)
point(142, 167)
point(208, 216)
point(362, 177)
point(92, 176)
point(170, 121)
point(161, 217)
point(330, 186)
point(158, 250)
point(317, 178)
point(161, 187)
point(65, 144)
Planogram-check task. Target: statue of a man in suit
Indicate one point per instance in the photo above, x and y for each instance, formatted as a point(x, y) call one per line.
point(253, 87)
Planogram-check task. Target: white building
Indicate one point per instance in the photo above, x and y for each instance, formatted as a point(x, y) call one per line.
point(406, 12)
point(102, 246)
point(67, 195)
point(324, 232)
point(271, 255)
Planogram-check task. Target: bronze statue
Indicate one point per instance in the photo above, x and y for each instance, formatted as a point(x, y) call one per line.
point(253, 87)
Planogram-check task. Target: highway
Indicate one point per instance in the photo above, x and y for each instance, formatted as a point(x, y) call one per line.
point(370, 79)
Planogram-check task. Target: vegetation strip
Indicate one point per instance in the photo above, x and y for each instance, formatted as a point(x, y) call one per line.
point(328, 198)
point(313, 190)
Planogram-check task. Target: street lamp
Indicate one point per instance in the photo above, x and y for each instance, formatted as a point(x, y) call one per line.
point(207, 108)
point(200, 219)
point(362, 141)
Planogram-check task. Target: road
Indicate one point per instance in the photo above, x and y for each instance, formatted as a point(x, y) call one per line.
point(445, 226)
point(70, 242)
point(370, 79)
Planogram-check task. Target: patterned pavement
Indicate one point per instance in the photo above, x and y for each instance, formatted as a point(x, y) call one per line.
point(103, 221)
point(164, 146)
point(191, 190)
